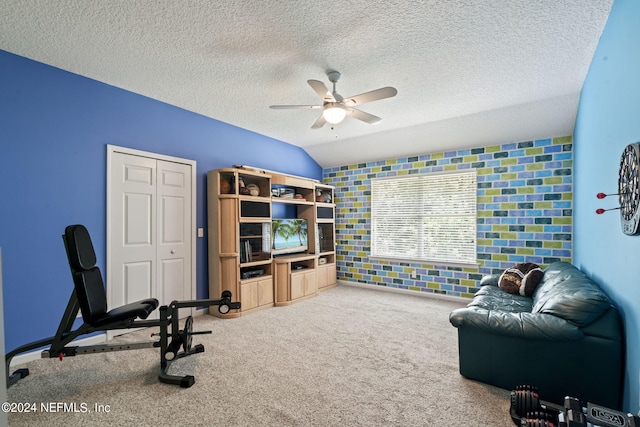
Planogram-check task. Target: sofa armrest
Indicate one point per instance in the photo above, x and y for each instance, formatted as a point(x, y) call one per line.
point(524, 325)
point(491, 279)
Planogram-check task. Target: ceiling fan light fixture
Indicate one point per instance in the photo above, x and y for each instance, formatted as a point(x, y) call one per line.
point(335, 108)
point(333, 113)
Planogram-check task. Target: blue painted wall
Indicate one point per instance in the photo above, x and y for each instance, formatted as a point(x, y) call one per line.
point(54, 129)
point(609, 119)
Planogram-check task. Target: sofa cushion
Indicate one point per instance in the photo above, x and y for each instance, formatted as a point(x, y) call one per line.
point(493, 298)
point(568, 293)
point(521, 279)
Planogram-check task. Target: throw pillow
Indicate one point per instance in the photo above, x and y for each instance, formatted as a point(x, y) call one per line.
point(521, 279)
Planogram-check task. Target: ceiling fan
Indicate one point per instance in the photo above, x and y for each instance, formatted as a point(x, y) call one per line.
point(335, 108)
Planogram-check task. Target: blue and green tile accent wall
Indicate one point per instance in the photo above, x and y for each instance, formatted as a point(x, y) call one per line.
point(525, 202)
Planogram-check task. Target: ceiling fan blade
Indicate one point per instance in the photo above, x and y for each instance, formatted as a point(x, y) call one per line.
point(319, 123)
point(374, 95)
point(321, 90)
point(361, 115)
point(285, 107)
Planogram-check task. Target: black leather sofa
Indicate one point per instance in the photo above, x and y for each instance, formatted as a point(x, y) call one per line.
point(566, 339)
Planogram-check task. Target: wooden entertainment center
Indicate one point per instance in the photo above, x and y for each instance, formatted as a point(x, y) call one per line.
point(242, 256)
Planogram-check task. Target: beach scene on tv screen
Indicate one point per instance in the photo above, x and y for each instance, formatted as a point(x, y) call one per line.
point(289, 234)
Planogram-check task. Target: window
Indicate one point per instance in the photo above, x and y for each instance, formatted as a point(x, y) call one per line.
point(429, 217)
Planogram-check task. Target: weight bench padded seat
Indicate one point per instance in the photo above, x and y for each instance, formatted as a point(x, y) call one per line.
point(90, 287)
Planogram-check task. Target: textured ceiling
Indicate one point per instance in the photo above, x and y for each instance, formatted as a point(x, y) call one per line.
point(468, 72)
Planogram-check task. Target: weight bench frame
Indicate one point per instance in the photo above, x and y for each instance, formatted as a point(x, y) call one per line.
point(83, 270)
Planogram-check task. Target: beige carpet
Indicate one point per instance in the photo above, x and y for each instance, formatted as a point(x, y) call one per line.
point(348, 357)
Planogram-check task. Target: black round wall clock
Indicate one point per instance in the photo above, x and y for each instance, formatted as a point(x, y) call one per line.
point(629, 189)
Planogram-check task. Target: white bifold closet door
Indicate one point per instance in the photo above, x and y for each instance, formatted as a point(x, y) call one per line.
point(150, 230)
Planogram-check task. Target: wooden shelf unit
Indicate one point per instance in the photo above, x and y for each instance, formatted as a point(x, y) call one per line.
point(324, 235)
point(240, 208)
point(239, 226)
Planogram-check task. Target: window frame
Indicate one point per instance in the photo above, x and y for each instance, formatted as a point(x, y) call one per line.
point(421, 258)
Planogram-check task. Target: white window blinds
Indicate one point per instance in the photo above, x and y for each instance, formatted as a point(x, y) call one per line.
point(430, 217)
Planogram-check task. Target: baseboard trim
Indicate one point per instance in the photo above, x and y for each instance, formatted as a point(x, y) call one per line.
point(23, 358)
point(431, 295)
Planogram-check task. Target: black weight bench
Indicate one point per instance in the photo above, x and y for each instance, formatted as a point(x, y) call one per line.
point(89, 297)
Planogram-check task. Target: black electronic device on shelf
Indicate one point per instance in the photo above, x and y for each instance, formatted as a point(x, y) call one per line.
point(248, 274)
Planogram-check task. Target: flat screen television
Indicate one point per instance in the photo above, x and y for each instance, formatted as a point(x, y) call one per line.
point(288, 236)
